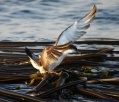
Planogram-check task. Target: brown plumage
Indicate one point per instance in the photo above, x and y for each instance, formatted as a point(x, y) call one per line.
point(51, 54)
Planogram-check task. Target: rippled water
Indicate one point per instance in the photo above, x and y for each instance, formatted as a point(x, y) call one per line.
point(39, 20)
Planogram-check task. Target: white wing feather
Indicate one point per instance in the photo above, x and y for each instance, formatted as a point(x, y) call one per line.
point(76, 30)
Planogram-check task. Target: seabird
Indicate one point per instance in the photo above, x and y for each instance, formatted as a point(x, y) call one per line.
point(52, 56)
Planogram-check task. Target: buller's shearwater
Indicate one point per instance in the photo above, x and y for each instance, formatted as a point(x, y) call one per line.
point(52, 56)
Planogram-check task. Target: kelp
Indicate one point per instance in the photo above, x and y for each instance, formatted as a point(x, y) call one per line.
point(107, 80)
point(21, 97)
point(51, 91)
point(16, 44)
point(16, 68)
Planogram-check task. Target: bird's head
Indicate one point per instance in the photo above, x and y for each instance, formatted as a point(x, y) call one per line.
point(74, 49)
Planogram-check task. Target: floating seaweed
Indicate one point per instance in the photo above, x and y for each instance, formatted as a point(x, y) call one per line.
point(99, 66)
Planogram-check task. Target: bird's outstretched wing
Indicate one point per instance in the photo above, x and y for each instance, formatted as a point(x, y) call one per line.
point(51, 55)
point(31, 55)
point(76, 30)
point(56, 51)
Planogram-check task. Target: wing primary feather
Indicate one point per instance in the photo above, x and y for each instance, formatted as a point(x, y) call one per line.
point(31, 54)
point(77, 29)
point(92, 12)
point(57, 53)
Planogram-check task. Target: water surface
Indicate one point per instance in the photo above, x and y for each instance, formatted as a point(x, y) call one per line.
point(43, 20)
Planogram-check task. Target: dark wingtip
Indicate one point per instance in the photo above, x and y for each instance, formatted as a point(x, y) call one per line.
point(28, 52)
point(95, 7)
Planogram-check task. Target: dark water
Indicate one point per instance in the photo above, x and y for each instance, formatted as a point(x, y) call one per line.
point(39, 20)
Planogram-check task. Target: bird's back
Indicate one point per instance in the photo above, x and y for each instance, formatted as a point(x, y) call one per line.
point(52, 56)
